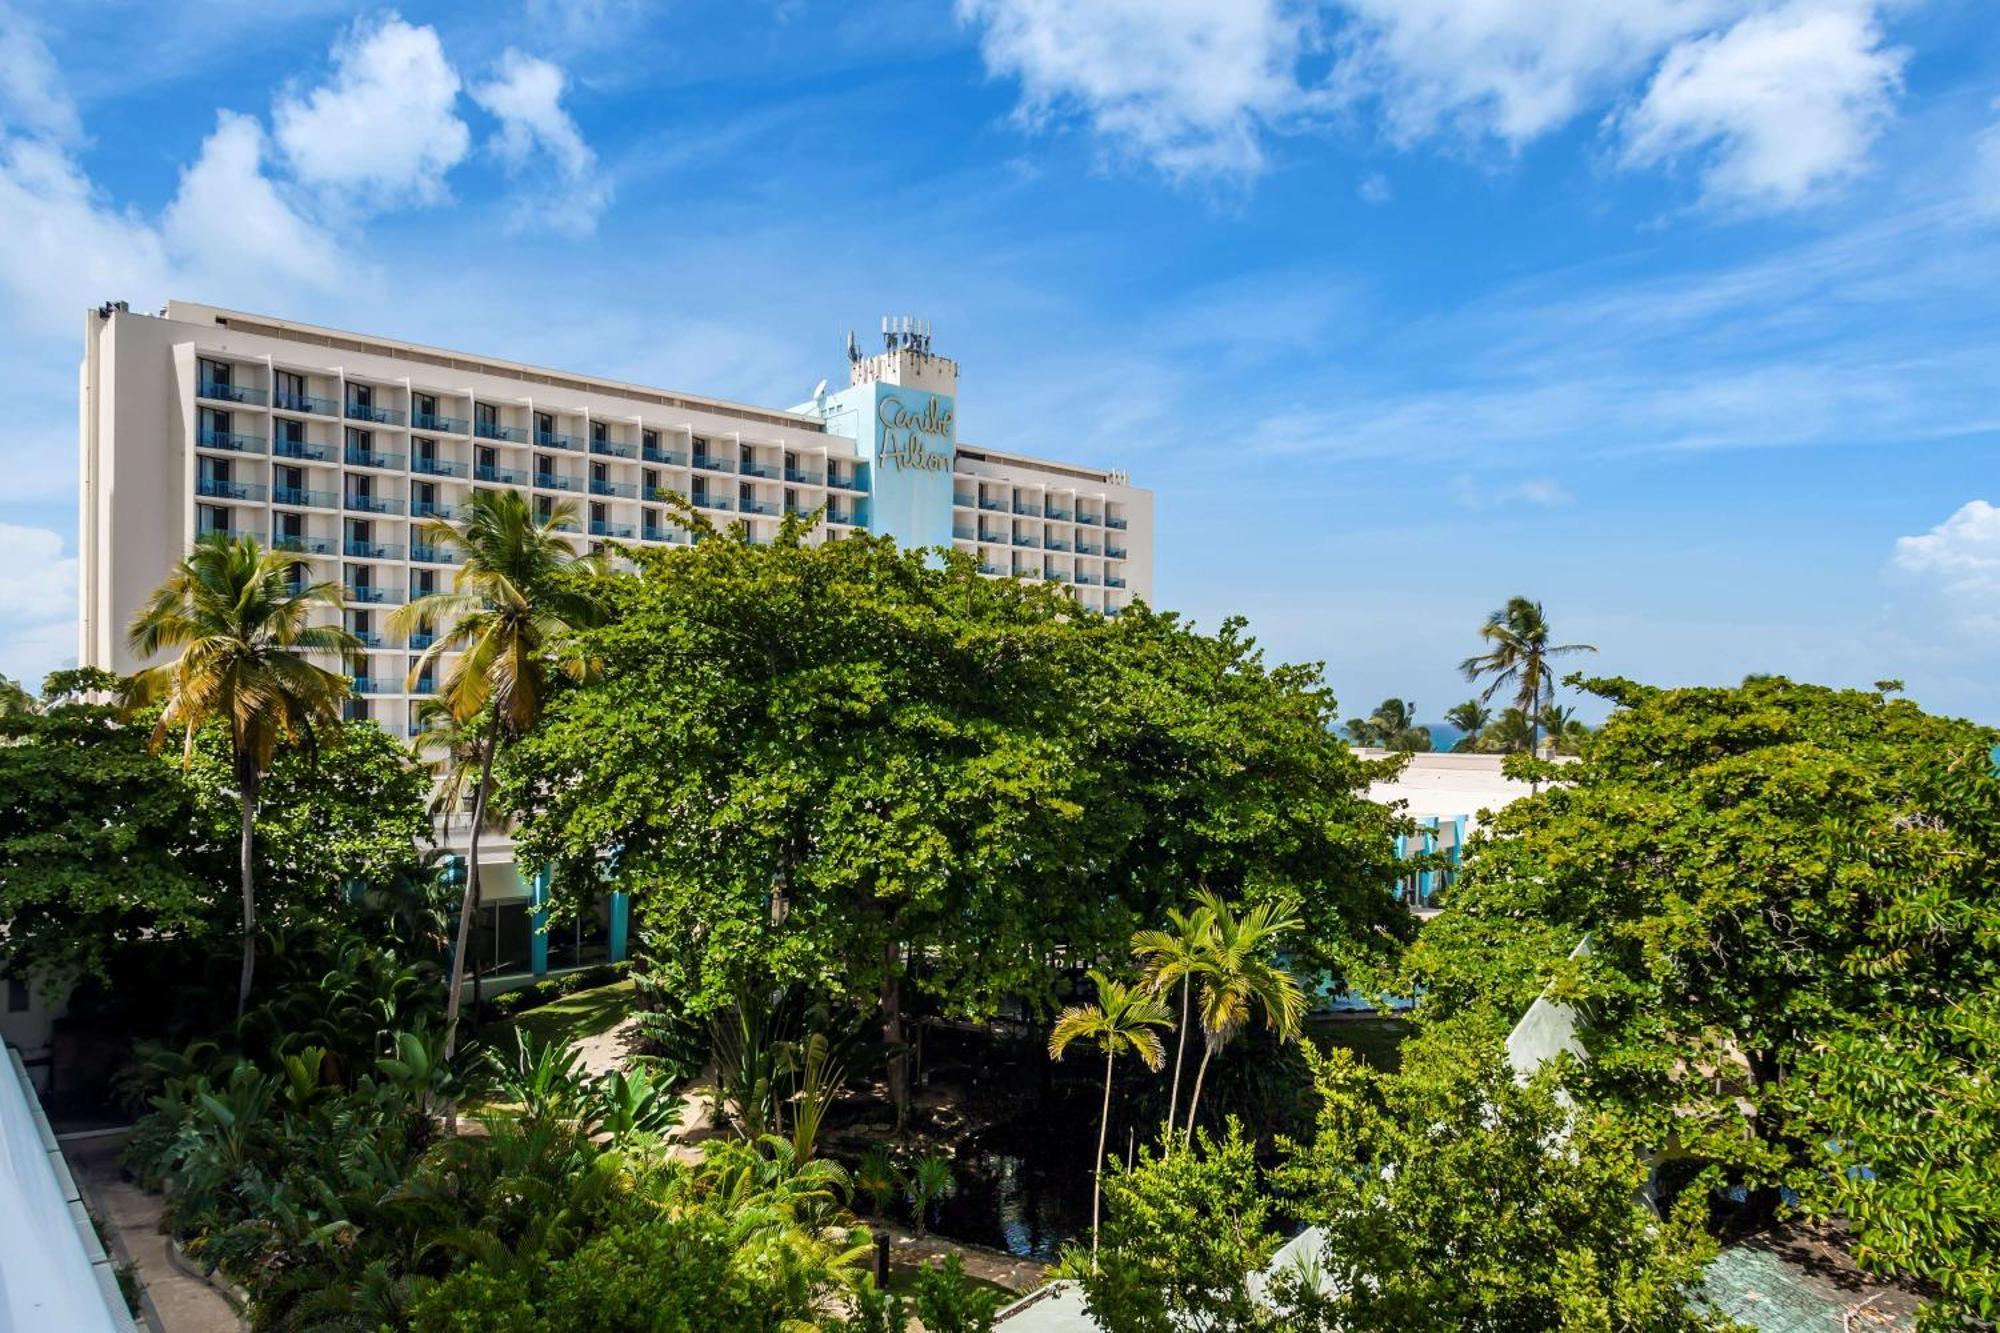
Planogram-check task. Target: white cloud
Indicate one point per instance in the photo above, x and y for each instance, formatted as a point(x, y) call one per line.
point(1374, 188)
point(1783, 102)
point(228, 214)
point(37, 581)
point(1511, 69)
point(66, 247)
point(1959, 560)
point(32, 97)
point(383, 131)
point(536, 135)
point(1189, 85)
point(1535, 492)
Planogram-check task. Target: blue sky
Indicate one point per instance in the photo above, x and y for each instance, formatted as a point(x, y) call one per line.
point(1678, 315)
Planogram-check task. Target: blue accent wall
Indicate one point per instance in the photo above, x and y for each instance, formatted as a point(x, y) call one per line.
point(909, 438)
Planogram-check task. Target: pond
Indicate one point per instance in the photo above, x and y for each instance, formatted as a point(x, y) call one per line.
point(1024, 1186)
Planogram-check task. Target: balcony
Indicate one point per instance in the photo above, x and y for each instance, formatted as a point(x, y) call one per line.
point(847, 518)
point(997, 571)
point(301, 448)
point(436, 467)
point(373, 458)
point(215, 530)
point(1028, 541)
point(964, 534)
point(662, 535)
point(432, 421)
point(373, 594)
point(710, 501)
point(618, 531)
point(1055, 576)
point(965, 501)
point(218, 488)
point(493, 430)
point(1055, 544)
point(233, 441)
point(1032, 511)
point(373, 685)
point(556, 481)
point(427, 554)
point(554, 439)
point(1087, 548)
point(841, 483)
point(623, 490)
point(432, 509)
point(422, 640)
point(661, 494)
point(500, 476)
point(424, 685)
point(301, 545)
point(1091, 519)
point(381, 416)
point(993, 506)
point(1060, 515)
point(362, 550)
point(1000, 537)
point(613, 449)
point(756, 507)
point(1113, 581)
point(368, 638)
point(286, 401)
point(1087, 580)
point(709, 464)
point(1114, 552)
point(374, 504)
point(799, 478)
point(1113, 612)
point(666, 456)
point(229, 393)
point(298, 497)
point(1118, 523)
point(754, 469)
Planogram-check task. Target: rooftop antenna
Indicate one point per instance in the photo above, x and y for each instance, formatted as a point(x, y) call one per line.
point(819, 390)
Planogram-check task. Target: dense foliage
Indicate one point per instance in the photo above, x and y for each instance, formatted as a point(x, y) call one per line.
point(1789, 899)
point(853, 765)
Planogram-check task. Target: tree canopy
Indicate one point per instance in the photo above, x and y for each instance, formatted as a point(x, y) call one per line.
point(836, 765)
point(1788, 893)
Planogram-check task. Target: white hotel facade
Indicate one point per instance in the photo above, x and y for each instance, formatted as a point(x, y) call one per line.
point(337, 445)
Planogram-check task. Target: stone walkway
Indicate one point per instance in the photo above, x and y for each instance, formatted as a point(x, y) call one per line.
point(186, 1304)
point(910, 1251)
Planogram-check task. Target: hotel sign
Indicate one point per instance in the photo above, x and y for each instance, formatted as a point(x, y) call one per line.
point(915, 439)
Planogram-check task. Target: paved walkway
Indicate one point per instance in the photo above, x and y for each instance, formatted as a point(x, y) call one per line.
point(911, 1251)
point(185, 1304)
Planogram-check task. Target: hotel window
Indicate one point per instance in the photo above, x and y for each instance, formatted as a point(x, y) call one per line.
point(598, 513)
point(424, 404)
point(214, 423)
point(291, 432)
point(291, 479)
point(600, 433)
point(545, 427)
point(544, 509)
point(358, 439)
point(652, 481)
point(650, 439)
point(600, 472)
point(291, 390)
point(291, 527)
point(425, 449)
point(486, 456)
point(216, 373)
point(486, 417)
point(583, 941)
point(211, 518)
point(423, 582)
point(361, 397)
point(651, 519)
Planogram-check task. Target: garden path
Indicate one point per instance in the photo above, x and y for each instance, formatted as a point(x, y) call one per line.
point(185, 1303)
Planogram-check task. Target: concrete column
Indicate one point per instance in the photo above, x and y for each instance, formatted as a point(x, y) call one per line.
point(621, 913)
point(538, 940)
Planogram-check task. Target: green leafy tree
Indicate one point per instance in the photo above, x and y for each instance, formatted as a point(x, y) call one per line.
point(1449, 1196)
point(240, 620)
point(1472, 718)
point(1392, 726)
point(850, 762)
point(1517, 659)
point(102, 844)
point(1184, 1231)
point(509, 617)
point(1122, 1019)
point(15, 698)
point(1240, 973)
point(950, 1302)
point(1174, 957)
point(1772, 879)
point(1510, 732)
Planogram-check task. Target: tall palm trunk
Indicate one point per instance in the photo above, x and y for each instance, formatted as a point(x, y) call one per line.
point(1180, 1048)
point(246, 787)
point(1103, 1131)
point(464, 938)
point(1194, 1102)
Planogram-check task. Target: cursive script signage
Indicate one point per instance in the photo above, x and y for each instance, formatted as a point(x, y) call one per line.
point(914, 438)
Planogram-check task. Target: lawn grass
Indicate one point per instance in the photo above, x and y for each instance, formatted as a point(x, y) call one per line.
point(573, 1017)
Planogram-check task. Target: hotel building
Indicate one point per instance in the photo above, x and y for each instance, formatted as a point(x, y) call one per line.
point(337, 445)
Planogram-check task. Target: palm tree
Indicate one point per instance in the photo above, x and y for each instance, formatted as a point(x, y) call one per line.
point(240, 617)
point(451, 750)
point(1518, 658)
point(1176, 954)
point(1392, 726)
point(508, 617)
point(1509, 733)
point(1567, 732)
point(1242, 971)
point(1122, 1019)
point(1471, 718)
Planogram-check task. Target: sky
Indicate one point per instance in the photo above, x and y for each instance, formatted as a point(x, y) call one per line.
point(1678, 316)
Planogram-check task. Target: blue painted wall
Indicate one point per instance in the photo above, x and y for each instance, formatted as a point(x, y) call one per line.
point(909, 438)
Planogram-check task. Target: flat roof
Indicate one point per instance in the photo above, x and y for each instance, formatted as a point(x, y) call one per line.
point(191, 312)
point(1446, 785)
